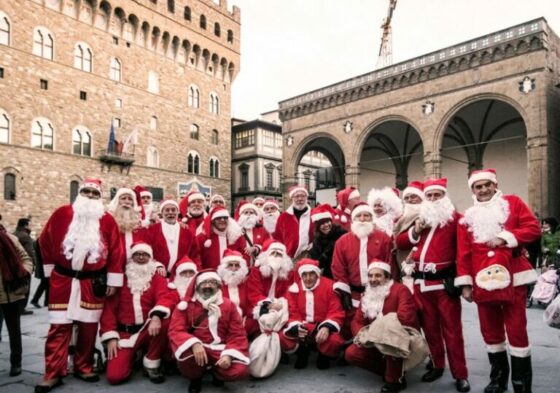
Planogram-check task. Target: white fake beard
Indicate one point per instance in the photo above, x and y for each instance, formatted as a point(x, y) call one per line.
point(231, 278)
point(374, 298)
point(437, 213)
point(362, 229)
point(384, 223)
point(196, 212)
point(486, 220)
point(127, 218)
point(148, 209)
point(181, 283)
point(83, 236)
point(248, 221)
point(276, 265)
point(269, 221)
point(411, 209)
point(139, 276)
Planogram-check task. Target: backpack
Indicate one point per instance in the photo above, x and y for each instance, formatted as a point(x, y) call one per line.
point(545, 288)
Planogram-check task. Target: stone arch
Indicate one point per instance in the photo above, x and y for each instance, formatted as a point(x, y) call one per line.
point(118, 22)
point(132, 28)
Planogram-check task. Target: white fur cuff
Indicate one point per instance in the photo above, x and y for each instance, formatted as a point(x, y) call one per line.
point(162, 309)
point(463, 280)
point(495, 348)
point(234, 353)
point(509, 238)
point(330, 322)
point(342, 286)
point(524, 277)
point(115, 279)
point(520, 352)
point(149, 363)
point(184, 347)
point(109, 335)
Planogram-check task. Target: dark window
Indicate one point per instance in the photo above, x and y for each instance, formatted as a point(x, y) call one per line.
point(128, 44)
point(217, 29)
point(44, 84)
point(193, 164)
point(230, 36)
point(171, 6)
point(245, 138)
point(113, 192)
point(269, 178)
point(187, 14)
point(9, 187)
point(215, 137)
point(83, 95)
point(116, 40)
point(157, 193)
point(74, 187)
point(202, 22)
point(244, 171)
point(1, 72)
point(195, 132)
point(214, 168)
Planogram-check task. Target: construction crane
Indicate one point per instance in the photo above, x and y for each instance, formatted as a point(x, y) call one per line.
point(385, 57)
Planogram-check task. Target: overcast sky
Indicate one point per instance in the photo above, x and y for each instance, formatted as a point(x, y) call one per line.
point(289, 47)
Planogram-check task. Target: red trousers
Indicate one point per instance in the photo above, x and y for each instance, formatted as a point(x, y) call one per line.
point(441, 322)
point(371, 359)
point(120, 367)
point(330, 347)
point(56, 349)
point(497, 319)
point(189, 369)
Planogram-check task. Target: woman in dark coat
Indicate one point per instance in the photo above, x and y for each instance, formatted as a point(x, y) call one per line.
point(326, 235)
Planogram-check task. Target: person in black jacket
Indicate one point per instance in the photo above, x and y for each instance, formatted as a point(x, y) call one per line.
point(23, 233)
point(326, 235)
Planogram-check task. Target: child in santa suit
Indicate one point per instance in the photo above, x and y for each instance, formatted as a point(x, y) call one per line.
point(316, 316)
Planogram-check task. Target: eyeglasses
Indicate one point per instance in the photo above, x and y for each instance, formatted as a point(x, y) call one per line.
point(221, 219)
point(90, 191)
point(141, 254)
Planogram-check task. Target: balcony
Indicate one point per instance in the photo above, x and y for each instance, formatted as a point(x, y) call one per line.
point(122, 160)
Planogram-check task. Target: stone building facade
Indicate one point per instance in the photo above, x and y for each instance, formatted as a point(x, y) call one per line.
point(488, 102)
point(159, 72)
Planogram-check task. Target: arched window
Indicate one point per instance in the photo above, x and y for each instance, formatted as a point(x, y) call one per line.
point(187, 14)
point(214, 167)
point(217, 29)
point(215, 137)
point(153, 157)
point(214, 103)
point(194, 97)
point(4, 29)
point(153, 82)
point(43, 43)
point(4, 127)
point(10, 187)
point(171, 6)
point(230, 36)
point(203, 22)
point(74, 189)
point(81, 141)
point(42, 134)
point(193, 163)
point(83, 57)
point(195, 132)
point(115, 70)
point(153, 123)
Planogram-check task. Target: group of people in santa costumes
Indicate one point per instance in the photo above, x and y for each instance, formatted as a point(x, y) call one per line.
point(192, 287)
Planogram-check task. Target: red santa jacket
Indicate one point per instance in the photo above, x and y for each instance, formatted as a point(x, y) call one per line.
point(289, 229)
point(435, 251)
point(211, 251)
point(126, 308)
point(69, 298)
point(195, 223)
point(130, 237)
point(258, 288)
point(186, 245)
point(398, 300)
point(318, 306)
point(188, 328)
point(346, 269)
point(238, 296)
point(520, 228)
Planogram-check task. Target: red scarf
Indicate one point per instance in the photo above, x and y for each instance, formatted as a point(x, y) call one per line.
point(11, 264)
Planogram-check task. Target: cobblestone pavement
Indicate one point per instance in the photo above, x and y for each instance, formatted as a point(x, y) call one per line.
point(546, 367)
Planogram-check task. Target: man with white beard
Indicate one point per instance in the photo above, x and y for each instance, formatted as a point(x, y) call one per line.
point(353, 251)
point(412, 196)
point(259, 203)
point(150, 213)
point(271, 212)
point(193, 210)
point(123, 325)
point(387, 208)
point(81, 243)
point(255, 235)
point(493, 271)
point(381, 297)
point(126, 212)
point(434, 239)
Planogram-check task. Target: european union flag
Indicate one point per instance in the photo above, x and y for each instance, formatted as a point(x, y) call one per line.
point(111, 144)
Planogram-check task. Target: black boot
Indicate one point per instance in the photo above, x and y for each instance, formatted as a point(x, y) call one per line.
point(195, 386)
point(302, 357)
point(521, 374)
point(323, 362)
point(499, 373)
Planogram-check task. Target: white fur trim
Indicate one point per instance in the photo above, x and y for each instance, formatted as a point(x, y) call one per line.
point(380, 265)
point(342, 286)
point(115, 279)
point(146, 193)
point(185, 266)
point(93, 185)
point(321, 216)
point(219, 214)
point(248, 206)
point(495, 348)
point(277, 246)
point(185, 346)
point(309, 306)
point(291, 325)
point(149, 363)
point(182, 306)
point(163, 309)
point(234, 353)
point(231, 258)
point(343, 219)
point(142, 247)
point(435, 187)
point(168, 202)
point(520, 352)
point(109, 335)
point(482, 176)
point(298, 189)
point(509, 238)
point(195, 196)
point(413, 190)
point(361, 209)
point(330, 321)
point(171, 286)
point(411, 238)
point(524, 277)
point(208, 243)
point(137, 308)
point(354, 194)
point(294, 288)
point(355, 303)
point(59, 317)
point(463, 280)
point(309, 268)
point(207, 276)
point(184, 220)
point(47, 269)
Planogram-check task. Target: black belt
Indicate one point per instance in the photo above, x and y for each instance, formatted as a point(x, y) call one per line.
point(132, 329)
point(441, 275)
point(357, 288)
point(80, 275)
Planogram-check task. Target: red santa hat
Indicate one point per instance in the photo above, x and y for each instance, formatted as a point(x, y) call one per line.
point(92, 183)
point(271, 244)
point(143, 191)
point(216, 212)
point(322, 212)
point(307, 265)
point(217, 197)
point(270, 202)
point(203, 275)
point(231, 255)
point(120, 192)
point(195, 195)
point(295, 189)
point(141, 246)
point(483, 174)
point(378, 263)
point(415, 188)
point(344, 195)
point(435, 184)
point(391, 201)
point(258, 200)
point(242, 207)
point(361, 207)
point(168, 201)
point(184, 264)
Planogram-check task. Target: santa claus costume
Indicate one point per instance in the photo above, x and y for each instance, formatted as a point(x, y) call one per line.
point(270, 214)
point(294, 228)
point(253, 231)
point(491, 260)
point(389, 201)
point(171, 242)
point(193, 222)
point(313, 308)
point(79, 244)
point(215, 323)
point(377, 301)
point(125, 318)
point(213, 243)
point(343, 212)
point(409, 216)
point(434, 258)
point(149, 213)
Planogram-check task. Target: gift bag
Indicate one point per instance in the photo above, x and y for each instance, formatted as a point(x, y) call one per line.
point(551, 315)
point(493, 282)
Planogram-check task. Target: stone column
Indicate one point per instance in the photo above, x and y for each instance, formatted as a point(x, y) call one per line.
point(352, 176)
point(432, 165)
point(537, 174)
